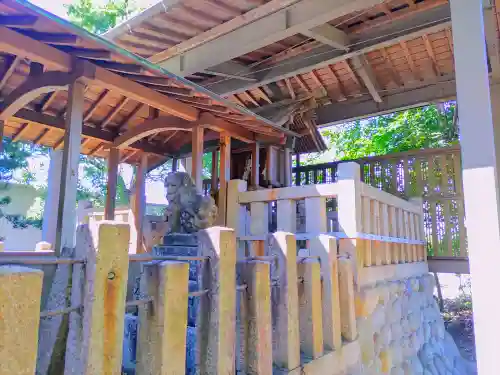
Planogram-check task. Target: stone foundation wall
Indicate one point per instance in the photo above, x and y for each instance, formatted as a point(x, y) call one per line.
point(401, 331)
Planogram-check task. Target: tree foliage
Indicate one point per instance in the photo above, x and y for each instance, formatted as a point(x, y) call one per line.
point(417, 128)
point(99, 18)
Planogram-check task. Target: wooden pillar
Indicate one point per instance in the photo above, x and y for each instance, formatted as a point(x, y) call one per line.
point(175, 165)
point(271, 165)
point(52, 201)
point(104, 300)
point(254, 180)
point(20, 292)
point(113, 161)
point(162, 335)
point(480, 173)
point(215, 170)
point(288, 166)
point(216, 329)
point(139, 201)
point(225, 176)
point(197, 157)
point(66, 214)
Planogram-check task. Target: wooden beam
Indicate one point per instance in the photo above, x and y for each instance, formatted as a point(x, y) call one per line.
point(112, 114)
point(219, 125)
point(329, 35)
point(170, 89)
point(149, 127)
point(340, 86)
point(40, 136)
point(18, 44)
point(430, 51)
point(392, 69)
point(197, 157)
point(47, 101)
point(20, 132)
point(35, 86)
point(52, 38)
point(15, 20)
point(290, 88)
point(113, 161)
point(130, 116)
point(160, 81)
point(102, 97)
point(427, 22)
point(66, 215)
point(11, 63)
point(86, 53)
point(305, 15)
point(367, 75)
point(409, 60)
point(119, 67)
point(215, 170)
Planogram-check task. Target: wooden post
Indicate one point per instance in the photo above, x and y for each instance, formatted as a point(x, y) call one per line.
point(255, 175)
point(271, 165)
point(365, 250)
point(175, 165)
point(236, 212)
point(288, 166)
point(104, 300)
point(480, 171)
point(66, 214)
point(259, 340)
point(310, 309)
point(325, 247)
point(393, 232)
point(162, 325)
point(287, 215)
point(113, 160)
point(225, 176)
point(215, 171)
point(384, 231)
point(217, 315)
point(316, 221)
point(286, 340)
point(349, 208)
point(347, 307)
point(139, 201)
point(197, 157)
point(20, 292)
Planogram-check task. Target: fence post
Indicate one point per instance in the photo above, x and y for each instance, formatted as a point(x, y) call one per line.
point(259, 340)
point(349, 208)
point(235, 212)
point(20, 293)
point(347, 307)
point(161, 348)
point(310, 309)
point(104, 300)
point(419, 229)
point(217, 314)
point(286, 339)
point(325, 247)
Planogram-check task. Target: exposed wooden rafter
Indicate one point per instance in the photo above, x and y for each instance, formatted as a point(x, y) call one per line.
point(11, 62)
point(112, 114)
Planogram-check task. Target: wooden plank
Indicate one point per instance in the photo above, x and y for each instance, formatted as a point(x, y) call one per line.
point(113, 161)
point(444, 183)
point(162, 336)
point(216, 333)
point(411, 221)
point(347, 309)
point(236, 213)
point(326, 248)
point(384, 231)
point(310, 309)
point(295, 193)
point(287, 215)
point(406, 223)
point(393, 232)
point(259, 340)
point(435, 239)
point(225, 176)
point(139, 202)
point(389, 199)
point(419, 188)
point(197, 157)
point(286, 338)
point(12, 64)
point(367, 228)
point(112, 114)
point(377, 246)
point(259, 225)
point(287, 154)
point(102, 97)
point(400, 229)
point(447, 239)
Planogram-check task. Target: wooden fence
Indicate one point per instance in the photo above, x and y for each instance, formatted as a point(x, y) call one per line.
point(287, 335)
point(432, 174)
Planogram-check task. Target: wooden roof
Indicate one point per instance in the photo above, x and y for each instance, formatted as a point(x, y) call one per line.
point(354, 58)
point(122, 92)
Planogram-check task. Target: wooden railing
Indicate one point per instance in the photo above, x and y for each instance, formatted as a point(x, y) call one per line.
point(433, 175)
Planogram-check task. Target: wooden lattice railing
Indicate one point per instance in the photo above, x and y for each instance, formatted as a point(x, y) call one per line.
point(432, 174)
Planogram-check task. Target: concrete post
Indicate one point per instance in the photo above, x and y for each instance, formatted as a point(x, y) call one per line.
point(52, 200)
point(480, 175)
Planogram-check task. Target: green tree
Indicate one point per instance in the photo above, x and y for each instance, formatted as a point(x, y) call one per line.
point(426, 127)
point(99, 18)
